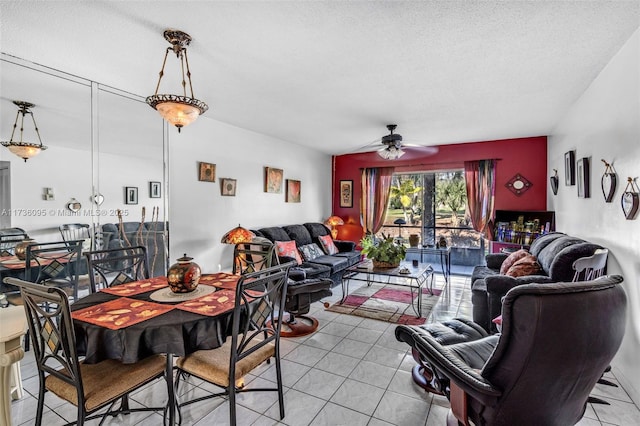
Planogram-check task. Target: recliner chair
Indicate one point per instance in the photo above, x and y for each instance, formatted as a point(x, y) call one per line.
point(556, 341)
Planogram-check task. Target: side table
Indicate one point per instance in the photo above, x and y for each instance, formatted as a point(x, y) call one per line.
point(13, 328)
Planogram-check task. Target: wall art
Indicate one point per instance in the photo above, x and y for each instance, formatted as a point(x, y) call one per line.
point(608, 182)
point(293, 191)
point(206, 172)
point(131, 195)
point(346, 193)
point(570, 168)
point(518, 184)
point(554, 182)
point(273, 180)
point(228, 187)
point(630, 200)
point(155, 190)
point(583, 178)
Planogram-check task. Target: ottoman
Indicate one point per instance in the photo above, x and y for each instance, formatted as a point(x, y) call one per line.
point(457, 330)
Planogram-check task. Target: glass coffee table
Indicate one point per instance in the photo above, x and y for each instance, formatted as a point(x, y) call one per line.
point(407, 274)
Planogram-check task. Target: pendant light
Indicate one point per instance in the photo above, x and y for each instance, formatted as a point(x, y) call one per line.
point(22, 149)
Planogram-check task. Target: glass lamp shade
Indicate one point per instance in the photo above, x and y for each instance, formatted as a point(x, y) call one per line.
point(24, 150)
point(334, 221)
point(391, 153)
point(238, 235)
point(179, 111)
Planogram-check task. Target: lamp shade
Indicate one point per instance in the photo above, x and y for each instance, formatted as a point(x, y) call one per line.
point(238, 235)
point(334, 221)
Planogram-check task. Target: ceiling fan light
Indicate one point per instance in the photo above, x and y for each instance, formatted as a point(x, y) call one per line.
point(391, 153)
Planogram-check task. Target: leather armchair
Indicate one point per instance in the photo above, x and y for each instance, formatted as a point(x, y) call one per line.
point(556, 341)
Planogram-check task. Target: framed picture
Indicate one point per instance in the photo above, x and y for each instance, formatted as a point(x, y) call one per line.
point(206, 172)
point(346, 193)
point(131, 195)
point(228, 187)
point(293, 191)
point(154, 190)
point(570, 168)
point(583, 178)
point(273, 180)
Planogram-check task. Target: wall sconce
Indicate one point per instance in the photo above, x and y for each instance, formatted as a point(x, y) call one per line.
point(21, 148)
point(179, 110)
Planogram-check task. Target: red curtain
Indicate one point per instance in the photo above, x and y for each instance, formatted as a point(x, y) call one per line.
point(376, 187)
point(481, 188)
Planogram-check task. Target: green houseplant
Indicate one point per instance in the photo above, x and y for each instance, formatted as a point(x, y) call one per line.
point(384, 252)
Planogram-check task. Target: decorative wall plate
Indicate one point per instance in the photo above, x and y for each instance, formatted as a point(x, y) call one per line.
point(608, 182)
point(518, 184)
point(630, 200)
point(554, 182)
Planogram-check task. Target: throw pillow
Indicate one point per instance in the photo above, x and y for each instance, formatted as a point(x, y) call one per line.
point(288, 249)
point(310, 251)
point(528, 265)
point(511, 259)
point(328, 245)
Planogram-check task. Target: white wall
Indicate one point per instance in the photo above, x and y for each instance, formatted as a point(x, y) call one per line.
point(605, 124)
point(199, 216)
point(68, 172)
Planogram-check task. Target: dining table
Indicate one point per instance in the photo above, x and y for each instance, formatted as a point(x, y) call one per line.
point(132, 321)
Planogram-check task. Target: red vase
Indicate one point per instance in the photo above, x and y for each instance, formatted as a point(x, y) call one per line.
point(183, 276)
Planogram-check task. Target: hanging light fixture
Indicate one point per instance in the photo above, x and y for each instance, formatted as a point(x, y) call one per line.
point(24, 149)
point(179, 110)
point(391, 153)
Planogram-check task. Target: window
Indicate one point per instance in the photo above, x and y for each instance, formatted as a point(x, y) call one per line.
point(433, 205)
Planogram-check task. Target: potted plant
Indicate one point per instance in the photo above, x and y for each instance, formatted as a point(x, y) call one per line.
point(384, 253)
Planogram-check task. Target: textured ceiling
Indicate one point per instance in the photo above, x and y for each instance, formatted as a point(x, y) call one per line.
point(331, 75)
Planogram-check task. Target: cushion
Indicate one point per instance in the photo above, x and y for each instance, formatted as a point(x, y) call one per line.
point(310, 251)
point(327, 244)
point(288, 249)
point(528, 265)
point(511, 259)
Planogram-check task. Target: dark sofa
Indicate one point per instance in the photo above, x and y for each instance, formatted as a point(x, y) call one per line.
point(325, 266)
point(151, 235)
point(555, 253)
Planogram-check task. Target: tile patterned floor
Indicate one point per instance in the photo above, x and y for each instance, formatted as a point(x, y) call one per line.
point(352, 371)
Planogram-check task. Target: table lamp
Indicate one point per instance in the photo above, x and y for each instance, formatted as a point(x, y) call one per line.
point(238, 235)
point(332, 222)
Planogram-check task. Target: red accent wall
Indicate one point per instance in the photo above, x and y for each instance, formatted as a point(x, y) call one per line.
point(527, 156)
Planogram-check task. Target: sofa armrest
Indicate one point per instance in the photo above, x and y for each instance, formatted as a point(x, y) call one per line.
point(345, 246)
point(494, 260)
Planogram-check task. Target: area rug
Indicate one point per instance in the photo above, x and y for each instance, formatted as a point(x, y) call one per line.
point(386, 302)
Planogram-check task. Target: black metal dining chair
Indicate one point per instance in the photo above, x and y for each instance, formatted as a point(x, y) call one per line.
point(9, 237)
point(90, 387)
point(117, 266)
point(58, 264)
point(253, 256)
point(258, 299)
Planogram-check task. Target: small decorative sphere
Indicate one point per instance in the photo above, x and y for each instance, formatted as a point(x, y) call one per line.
point(21, 248)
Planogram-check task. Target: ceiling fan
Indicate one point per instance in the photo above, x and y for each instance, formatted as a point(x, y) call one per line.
point(392, 145)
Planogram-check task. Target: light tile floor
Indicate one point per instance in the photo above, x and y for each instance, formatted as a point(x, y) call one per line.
point(352, 371)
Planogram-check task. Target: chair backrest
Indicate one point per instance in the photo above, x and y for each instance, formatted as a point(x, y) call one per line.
point(557, 339)
point(75, 231)
point(254, 256)
point(51, 331)
point(58, 262)
point(9, 237)
point(117, 266)
point(263, 293)
point(591, 267)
